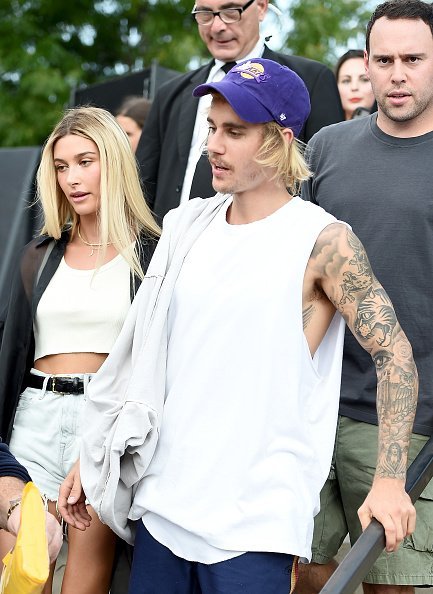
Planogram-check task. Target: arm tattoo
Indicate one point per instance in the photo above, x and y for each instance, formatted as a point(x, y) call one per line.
point(397, 390)
point(396, 407)
point(359, 259)
point(340, 260)
point(307, 314)
point(394, 459)
point(375, 317)
point(359, 279)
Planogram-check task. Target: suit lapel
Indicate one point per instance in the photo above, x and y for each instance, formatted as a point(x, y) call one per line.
point(268, 54)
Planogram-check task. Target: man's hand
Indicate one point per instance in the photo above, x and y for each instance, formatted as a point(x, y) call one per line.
point(52, 527)
point(389, 503)
point(72, 500)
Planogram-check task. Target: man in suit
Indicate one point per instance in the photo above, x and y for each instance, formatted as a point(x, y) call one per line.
point(175, 130)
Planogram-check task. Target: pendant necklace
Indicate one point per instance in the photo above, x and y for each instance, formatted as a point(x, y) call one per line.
point(94, 246)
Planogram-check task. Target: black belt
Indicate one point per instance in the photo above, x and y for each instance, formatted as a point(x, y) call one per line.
point(56, 384)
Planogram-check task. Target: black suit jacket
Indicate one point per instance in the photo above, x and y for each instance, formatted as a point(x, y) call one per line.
point(165, 143)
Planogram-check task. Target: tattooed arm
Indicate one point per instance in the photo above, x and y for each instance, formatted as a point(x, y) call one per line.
point(343, 272)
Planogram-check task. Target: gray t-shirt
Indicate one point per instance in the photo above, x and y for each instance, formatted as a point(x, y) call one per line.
point(383, 187)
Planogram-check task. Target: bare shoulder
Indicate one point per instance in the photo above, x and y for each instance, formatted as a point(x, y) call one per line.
point(340, 265)
point(337, 250)
point(334, 239)
point(318, 307)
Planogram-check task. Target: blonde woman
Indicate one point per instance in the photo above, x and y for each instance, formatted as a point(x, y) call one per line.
point(68, 303)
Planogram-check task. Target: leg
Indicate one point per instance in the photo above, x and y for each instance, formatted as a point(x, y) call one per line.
point(255, 573)
point(330, 529)
point(7, 541)
point(90, 559)
point(59, 570)
point(384, 589)
point(156, 570)
point(48, 588)
point(313, 576)
point(122, 567)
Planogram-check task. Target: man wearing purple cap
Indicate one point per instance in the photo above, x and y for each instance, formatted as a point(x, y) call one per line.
point(170, 148)
point(237, 335)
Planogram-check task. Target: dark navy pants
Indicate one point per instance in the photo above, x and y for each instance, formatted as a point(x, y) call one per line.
point(156, 570)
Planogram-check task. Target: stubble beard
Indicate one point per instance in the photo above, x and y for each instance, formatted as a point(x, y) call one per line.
point(397, 114)
point(237, 187)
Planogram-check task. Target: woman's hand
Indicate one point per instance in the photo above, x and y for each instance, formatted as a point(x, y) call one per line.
point(72, 500)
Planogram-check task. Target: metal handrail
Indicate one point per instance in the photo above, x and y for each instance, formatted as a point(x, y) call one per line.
point(356, 564)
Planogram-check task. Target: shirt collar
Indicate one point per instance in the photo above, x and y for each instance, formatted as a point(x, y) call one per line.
point(256, 52)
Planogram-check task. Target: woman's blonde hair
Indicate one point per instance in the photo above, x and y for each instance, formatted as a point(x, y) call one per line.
point(123, 213)
point(286, 158)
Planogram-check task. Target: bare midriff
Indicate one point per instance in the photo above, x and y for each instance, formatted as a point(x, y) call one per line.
point(70, 363)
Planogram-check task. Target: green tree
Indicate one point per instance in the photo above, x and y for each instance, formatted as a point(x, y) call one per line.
point(322, 29)
point(49, 47)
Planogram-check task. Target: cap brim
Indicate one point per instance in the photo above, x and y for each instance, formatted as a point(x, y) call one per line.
point(247, 107)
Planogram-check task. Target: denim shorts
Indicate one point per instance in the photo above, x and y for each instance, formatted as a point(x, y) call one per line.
point(353, 467)
point(46, 434)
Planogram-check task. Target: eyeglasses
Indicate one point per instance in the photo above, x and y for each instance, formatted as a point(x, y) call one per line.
point(227, 15)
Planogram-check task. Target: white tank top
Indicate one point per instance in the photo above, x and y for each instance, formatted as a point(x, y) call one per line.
point(82, 311)
point(249, 419)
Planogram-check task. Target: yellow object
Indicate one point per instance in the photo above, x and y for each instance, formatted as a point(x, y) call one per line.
point(27, 565)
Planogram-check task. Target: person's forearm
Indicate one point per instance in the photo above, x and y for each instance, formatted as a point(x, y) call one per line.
point(10, 467)
point(397, 394)
point(10, 488)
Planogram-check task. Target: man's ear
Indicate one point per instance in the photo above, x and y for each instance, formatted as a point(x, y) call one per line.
point(366, 61)
point(262, 6)
point(288, 135)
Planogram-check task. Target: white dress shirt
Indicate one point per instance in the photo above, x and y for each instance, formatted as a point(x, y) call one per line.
point(201, 127)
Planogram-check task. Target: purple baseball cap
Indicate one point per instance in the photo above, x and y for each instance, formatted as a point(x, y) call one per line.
point(260, 91)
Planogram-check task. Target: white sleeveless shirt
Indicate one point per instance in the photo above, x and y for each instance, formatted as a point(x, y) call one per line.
point(249, 419)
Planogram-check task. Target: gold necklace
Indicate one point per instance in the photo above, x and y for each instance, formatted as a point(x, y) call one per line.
point(92, 245)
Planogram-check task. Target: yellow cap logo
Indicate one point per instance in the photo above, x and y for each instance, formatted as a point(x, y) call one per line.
point(252, 70)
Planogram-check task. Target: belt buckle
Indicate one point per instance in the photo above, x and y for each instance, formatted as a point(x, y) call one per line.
point(53, 387)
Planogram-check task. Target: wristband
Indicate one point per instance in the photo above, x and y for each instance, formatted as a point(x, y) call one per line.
point(14, 503)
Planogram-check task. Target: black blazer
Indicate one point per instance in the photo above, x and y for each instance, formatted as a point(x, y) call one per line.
point(165, 143)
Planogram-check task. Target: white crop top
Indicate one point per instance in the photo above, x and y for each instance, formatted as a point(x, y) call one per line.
point(82, 311)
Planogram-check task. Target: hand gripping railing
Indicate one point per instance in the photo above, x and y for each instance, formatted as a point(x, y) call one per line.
point(371, 543)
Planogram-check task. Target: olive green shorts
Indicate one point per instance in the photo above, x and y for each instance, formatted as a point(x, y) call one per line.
point(349, 481)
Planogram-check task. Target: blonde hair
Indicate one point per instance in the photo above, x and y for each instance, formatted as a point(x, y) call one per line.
point(285, 157)
point(123, 213)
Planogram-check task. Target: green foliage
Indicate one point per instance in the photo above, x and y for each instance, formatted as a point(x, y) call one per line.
point(322, 28)
point(49, 47)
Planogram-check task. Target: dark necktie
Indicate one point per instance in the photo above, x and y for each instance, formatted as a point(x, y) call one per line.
point(228, 66)
point(202, 180)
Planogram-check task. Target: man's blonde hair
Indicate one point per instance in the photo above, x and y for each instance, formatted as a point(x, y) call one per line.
point(286, 158)
point(123, 213)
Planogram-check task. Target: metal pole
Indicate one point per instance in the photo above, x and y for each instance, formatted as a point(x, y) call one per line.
point(371, 543)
